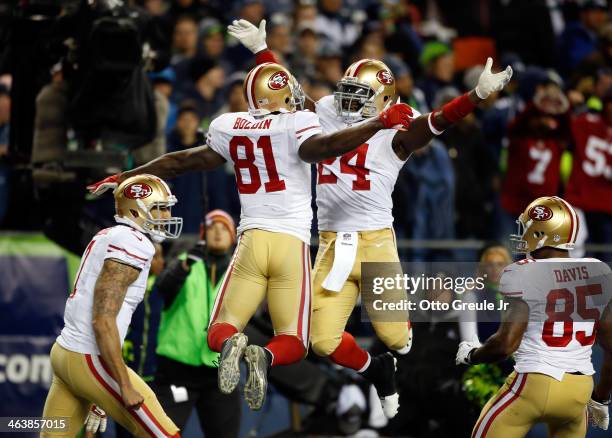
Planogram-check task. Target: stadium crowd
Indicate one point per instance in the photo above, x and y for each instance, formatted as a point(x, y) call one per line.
point(519, 145)
point(549, 132)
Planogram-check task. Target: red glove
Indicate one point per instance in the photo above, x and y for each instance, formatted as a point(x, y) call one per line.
point(397, 116)
point(100, 187)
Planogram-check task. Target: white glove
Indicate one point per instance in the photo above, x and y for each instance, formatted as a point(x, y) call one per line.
point(95, 420)
point(463, 354)
point(598, 414)
point(251, 37)
point(489, 82)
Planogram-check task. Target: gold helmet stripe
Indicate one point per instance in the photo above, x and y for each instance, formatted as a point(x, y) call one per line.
point(573, 220)
point(250, 85)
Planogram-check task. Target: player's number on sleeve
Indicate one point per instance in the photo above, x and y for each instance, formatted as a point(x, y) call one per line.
point(358, 168)
point(542, 158)
point(247, 162)
point(596, 163)
point(556, 296)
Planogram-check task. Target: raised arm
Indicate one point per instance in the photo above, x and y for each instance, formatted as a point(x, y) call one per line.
point(426, 127)
point(111, 287)
point(320, 147)
point(253, 38)
point(504, 342)
point(169, 165)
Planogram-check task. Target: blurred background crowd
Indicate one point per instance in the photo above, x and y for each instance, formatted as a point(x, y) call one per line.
point(92, 87)
point(89, 87)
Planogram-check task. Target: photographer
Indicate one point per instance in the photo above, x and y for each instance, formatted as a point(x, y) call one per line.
point(186, 367)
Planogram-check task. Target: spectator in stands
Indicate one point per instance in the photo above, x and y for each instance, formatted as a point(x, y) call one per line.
point(190, 186)
point(305, 12)
point(336, 25)
point(537, 137)
point(404, 83)
point(279, 38)
point(579, 39)
point(427, 191)
point(212, 44)
point(186, 367)
point(590, 185)
point(163, 82)
point(184, 39)
point(205, 87)
point(475, 171)
point(493, 258)
point(329, 65)
point(400, 35)
point(251, 10)
point(495, 118)
point(193, 8)
point(437, 60)
point(305, 59)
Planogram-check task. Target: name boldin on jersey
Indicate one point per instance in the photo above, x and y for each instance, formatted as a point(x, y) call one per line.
point(247, 124)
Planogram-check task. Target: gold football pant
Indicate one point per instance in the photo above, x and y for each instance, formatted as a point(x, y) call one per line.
point(268, 265)
point(331, 310)
point(530, 398)
point(82, 379)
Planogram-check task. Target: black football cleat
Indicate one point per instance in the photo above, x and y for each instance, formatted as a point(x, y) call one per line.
point(381, 373)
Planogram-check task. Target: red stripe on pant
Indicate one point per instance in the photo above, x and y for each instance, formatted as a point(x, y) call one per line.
point(484, 414)
point(226, 280)
point(112, 392)
point(504, 406)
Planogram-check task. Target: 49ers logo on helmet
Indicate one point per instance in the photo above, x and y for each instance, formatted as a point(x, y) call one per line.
point(137, 191)
point(384, 77)
point(278, 80)
point(540, 213)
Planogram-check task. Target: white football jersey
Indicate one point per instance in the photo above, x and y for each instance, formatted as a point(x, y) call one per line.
point(273, 182)
point(121, 243)
point(354, 190)
point(565, 296)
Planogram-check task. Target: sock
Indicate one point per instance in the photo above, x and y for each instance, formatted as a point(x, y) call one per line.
point(350, 355)
point(285, 350)
point(218, 334)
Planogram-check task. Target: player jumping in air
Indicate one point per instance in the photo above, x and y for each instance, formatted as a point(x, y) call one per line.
point(87, 362)
point(270, 147)
point(354, 206)
point(558, 306)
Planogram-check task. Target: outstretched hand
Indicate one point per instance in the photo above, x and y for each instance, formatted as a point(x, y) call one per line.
point(490, 82)
point(251, 37)
point(110, 182)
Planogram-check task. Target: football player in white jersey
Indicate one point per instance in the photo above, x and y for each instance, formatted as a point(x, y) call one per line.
point(87, 362)
point(557, 307)
point(354, 207)
point(270, 147)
